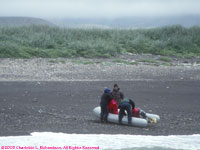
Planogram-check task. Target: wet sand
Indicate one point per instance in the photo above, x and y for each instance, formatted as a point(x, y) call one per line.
point(66, 106)
point(58, 95)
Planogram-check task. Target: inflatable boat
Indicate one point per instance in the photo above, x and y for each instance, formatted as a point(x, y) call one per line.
point(138, 122)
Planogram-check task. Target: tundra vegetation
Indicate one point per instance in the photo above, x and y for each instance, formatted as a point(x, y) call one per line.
point(52, 42)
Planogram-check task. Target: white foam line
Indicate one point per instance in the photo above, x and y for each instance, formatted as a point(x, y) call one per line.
point(104, 141)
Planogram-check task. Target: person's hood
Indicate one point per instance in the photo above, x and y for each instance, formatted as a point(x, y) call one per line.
point(107, 90)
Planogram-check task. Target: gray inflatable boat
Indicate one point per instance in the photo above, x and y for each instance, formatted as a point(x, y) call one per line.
point(138, 122)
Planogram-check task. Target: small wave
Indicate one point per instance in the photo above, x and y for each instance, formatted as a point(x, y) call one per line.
point(106, 141)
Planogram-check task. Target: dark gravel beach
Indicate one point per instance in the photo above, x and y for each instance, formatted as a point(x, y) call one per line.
point(66, 106)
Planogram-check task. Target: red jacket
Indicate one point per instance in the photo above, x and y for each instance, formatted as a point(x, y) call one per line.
point(113, 107)
point(135, 112)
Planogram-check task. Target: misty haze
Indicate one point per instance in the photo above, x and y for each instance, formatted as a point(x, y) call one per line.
point(106, 13)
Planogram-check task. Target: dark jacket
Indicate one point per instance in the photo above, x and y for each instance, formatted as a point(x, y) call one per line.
point(128, 101)
point(117, 95)
point(105, 99)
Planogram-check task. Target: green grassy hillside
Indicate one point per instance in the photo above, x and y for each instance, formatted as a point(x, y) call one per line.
point(45, 41)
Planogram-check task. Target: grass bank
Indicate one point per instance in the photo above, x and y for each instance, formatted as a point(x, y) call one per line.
point(52, 42)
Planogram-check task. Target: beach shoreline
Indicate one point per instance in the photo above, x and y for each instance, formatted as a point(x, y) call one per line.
point(41, 95)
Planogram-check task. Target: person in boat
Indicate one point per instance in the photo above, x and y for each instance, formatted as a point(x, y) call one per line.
point(139, 113)
point(126, 105)
point(113, 107)
point(105, 100)
point(117, 95)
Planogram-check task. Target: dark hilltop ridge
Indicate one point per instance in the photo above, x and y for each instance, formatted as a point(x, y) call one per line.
point(23, 21)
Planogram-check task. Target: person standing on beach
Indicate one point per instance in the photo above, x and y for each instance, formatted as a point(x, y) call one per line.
point(105, 100)
point(126, 105)
point(117, 95)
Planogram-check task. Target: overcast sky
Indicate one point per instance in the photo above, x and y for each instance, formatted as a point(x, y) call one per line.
point(97, 8)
